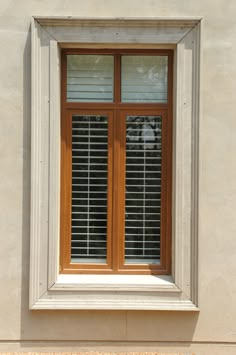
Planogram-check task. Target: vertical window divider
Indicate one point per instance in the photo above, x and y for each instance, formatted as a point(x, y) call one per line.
point(66, 174)
point(165, 185)
point(110, 192)
point(121, 188)
point(115, 189)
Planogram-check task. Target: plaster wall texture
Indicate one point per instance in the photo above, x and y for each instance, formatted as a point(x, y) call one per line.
point(211, 330)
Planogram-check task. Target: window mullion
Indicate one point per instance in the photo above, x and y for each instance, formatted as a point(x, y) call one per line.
point(118, 195)
point(66, 174)
point(121, 187)
point(110, 192)
point(117, 78)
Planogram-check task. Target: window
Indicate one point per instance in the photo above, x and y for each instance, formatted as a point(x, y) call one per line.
point(116, 161)
point(50, 289)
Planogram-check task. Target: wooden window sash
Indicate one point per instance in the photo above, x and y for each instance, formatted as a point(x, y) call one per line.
point(116, 112)
point(165, 197)
point(66, 191)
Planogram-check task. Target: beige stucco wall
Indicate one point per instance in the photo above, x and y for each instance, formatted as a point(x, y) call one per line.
point(213, 329)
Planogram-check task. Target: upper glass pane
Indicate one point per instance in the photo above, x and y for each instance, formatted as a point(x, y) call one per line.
point(144, 79)
point(90, 78)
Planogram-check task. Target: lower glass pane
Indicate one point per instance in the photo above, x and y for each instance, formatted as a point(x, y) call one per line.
point(89, 189)
point(143, 189)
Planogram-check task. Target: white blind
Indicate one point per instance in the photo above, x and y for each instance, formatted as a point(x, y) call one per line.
point(90, 78)
point(143, 189)
point(144, 79)
point(89, 188)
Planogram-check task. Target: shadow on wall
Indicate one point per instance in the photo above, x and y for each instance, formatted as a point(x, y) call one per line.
point(72, 327)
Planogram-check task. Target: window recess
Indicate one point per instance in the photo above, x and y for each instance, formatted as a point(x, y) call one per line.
point(116, 158)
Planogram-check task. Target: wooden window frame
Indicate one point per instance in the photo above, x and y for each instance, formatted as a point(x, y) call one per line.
point(50, 290)
point(116, 111)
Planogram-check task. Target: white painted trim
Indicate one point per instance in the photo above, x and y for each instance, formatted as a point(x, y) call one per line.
point(113, 301)
point(35, 147)
point(120, 30)
point(54, 166)
point(137, 283)
point(48, 289)
point(118, 34)
point(73, 21)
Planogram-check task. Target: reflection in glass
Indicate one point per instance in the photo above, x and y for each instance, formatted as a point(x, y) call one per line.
point(144, 79)
point(90, 78)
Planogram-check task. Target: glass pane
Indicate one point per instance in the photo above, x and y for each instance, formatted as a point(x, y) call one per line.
point(144, 79)
point(89, 189)
point(90, 78)
point(143, 189)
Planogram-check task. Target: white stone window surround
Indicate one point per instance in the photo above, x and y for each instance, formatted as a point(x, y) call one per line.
point(48, 288)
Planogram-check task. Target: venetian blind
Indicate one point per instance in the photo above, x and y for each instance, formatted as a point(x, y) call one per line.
point(144, 79)
point(143, 189)
point(89, 188)
point(90, 78)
